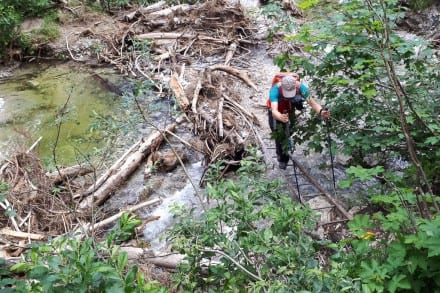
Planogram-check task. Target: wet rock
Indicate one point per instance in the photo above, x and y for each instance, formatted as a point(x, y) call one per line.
point(167, 161)
point(150, 187)
point(32, 84)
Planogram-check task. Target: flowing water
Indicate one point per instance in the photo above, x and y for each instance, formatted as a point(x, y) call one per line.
point(56, 102)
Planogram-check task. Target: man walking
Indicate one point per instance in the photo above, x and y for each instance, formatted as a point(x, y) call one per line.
point(287, 94)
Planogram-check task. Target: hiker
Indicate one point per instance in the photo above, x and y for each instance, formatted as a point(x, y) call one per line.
point(287, 94)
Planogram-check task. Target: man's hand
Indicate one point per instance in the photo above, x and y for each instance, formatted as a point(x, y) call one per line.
point(325, 113)
point(282, 117)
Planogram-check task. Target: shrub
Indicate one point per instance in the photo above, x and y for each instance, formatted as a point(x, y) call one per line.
point(254, 239)
point(69, 264)
point(9, 20)
point(12, 12)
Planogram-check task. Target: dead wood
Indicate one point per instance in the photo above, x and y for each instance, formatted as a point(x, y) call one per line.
point(145, 10)
point(179, 93)
point(189, 145)
point(231, 51)
point(163, 35)
point(85, 229)
point(172, 10)
point(235, 72)
point(220, 117)
point(10, 261)
point(128, 166)
point(19, 234)
point(197, 92)
point(166, 260)
point(149, 166)
point(113, 169)
point(68, 173)
point(174, 36)
point(243, 110)
point(189, 34)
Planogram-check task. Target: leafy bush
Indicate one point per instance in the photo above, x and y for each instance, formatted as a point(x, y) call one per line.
point(350, 66)
point(252, 239)
point(395, 248)
point(12, 12)
point(68, 264)
point(378, 83)
point(9, 20)
point(29, 7)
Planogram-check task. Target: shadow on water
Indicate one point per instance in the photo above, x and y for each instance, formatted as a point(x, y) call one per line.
point(39, 99)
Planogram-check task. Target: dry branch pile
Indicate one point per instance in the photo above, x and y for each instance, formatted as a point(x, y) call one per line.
point(201, 50)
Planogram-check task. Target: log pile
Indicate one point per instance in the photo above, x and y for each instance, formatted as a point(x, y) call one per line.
point(201, 51)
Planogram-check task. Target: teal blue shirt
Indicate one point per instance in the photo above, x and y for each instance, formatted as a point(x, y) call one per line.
point(274, 93)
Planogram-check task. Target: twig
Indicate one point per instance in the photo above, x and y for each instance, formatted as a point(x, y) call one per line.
point(185, 142)
point(136, 64)
point(235, 72)
point(231, 51)
point(68, 49)
point(196, 93)
point(235, 262)
point(252, 116)
point(220, 117)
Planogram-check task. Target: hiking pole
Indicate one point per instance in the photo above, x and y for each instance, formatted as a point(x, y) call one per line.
point(329, 141)
point(291, 157)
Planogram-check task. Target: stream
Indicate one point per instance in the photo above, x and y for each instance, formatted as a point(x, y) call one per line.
point(59, 103)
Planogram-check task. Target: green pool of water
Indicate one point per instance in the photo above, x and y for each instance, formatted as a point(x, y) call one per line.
point(56, 102)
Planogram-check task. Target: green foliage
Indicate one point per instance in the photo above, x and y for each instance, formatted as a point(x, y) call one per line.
point(29, 7)
point(125, 228)
point(391, 254)
point(3, 188)
point(12, 12)
point(72, 265)
point(420, 4)
point(252, 238)
point(9, 211)
point(282, 21)
point(348, 56)
point(396, 248)
point(9, 20)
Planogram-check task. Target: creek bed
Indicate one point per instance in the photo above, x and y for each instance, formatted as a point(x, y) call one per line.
point(58, 102)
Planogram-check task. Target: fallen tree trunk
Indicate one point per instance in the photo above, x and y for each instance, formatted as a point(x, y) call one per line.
point(173, 9)
point(113, 169)
point(129, 165)
point(68, 172)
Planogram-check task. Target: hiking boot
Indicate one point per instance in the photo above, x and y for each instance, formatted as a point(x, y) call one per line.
point(283, 165)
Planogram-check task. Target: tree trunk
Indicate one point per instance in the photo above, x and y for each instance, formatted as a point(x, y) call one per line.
point(127, 168)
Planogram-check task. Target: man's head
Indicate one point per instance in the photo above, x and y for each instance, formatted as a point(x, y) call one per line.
point(288, 86)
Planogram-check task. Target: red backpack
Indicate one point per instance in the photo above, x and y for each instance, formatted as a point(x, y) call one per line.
point(284, 106)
